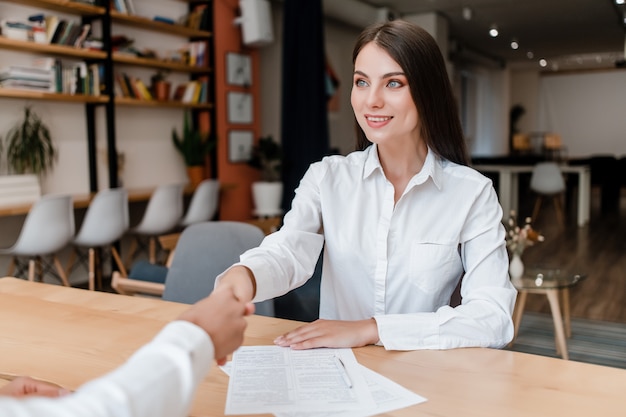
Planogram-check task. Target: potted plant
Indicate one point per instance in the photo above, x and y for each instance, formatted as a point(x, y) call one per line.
point(29, 147)
point(194, 146)
point(159, 86)
point(267, 156)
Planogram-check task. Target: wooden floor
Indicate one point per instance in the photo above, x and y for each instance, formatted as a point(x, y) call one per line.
point(598, 250)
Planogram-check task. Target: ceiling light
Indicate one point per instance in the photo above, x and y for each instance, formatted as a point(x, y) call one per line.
point(493, 31)
point(543, 63)
point(514, 44)
point(467, 13)
point(619, 1)
point(530, 54)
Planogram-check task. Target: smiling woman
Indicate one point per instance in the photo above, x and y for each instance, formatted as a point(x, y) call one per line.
point(399, 221)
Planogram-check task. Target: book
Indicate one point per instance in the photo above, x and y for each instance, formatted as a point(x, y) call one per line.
point(66, 32)
point(51, 23)
point(130, 6)
point(80, 40)
point(73, 34)
point(58, 32)
point(120, 6)
point(143, 89)
point(190, 91)
point(119, 79)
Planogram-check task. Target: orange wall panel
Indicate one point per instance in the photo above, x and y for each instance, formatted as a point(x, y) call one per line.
point(237, 178)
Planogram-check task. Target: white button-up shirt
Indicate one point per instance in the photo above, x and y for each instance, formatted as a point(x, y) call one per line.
point(159, 380)
point(398, 263)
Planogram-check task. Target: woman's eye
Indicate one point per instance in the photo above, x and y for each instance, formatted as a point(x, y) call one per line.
point(360, 83)
point(394, 84)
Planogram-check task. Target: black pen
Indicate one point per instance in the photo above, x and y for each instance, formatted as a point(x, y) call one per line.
point(342, 370)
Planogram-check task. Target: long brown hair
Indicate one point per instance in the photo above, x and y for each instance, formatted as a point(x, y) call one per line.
point(419, 56)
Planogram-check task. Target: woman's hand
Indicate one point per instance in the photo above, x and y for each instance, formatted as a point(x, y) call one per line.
point(241, 280)
point(26, 386)
point(332, 334)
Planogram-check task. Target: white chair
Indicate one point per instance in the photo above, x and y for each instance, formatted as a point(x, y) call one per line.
point(203, 204)
point(547, 180)
point(105, 222)
point(162, 215)
point(48, 228)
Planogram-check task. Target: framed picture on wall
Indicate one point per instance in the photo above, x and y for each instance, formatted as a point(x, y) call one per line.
point(239, 107)
point(240, 145)
point(238, 69)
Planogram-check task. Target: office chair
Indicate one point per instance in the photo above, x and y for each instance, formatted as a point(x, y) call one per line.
point(105, 222)
point(547, 180)
point(48, 228)
point(204, 251)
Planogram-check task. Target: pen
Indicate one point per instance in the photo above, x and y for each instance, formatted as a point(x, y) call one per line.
point(342, 370)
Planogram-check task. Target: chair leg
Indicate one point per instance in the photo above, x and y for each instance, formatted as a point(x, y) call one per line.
point(11, 267)
point(61, 271)
point(32, 264)
point(92, 269)
point(38, 269)
point(152, 250)
point(131, 251)
point(537, 207)
point(118, 261)
point(559, 210)
point(98, 266)
point(70, 262)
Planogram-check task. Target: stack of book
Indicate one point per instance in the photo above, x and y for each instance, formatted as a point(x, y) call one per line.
point(28, 78)
point(52, 76)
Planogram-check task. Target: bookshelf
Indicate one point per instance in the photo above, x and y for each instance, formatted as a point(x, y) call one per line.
point(113, 62)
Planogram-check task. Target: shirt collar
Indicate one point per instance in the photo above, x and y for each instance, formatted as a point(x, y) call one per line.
point(432, 167)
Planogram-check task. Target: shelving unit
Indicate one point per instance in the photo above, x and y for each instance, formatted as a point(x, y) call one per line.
point(110, 60)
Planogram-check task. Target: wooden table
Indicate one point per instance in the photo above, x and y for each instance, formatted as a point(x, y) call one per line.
point(69, 335)
point(508, 186)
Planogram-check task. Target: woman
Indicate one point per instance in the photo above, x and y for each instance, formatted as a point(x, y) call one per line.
point(400, 221)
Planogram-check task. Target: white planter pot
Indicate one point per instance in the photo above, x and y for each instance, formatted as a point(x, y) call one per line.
point(267, 197)
point(19, 189)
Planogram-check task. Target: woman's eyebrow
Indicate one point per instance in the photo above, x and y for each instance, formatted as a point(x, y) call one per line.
point(388, 75)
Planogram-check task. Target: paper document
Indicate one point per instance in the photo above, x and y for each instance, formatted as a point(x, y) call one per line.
point(274, 379)
point(388, 395)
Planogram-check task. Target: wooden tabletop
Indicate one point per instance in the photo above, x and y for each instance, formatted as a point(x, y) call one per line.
point(69, 336)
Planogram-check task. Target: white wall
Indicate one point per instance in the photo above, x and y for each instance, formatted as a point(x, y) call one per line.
point(586, 108)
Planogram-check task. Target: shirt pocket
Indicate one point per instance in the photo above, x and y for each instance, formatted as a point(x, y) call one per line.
point(433, 265)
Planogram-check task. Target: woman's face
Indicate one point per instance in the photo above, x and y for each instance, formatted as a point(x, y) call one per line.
point(381, 98)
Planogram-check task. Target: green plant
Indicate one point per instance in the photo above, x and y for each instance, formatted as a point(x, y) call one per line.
point(29, 147)
point(192, 144)
point(160, 75)
point(267, 156)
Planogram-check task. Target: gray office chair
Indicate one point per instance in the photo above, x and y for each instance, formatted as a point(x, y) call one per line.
point(204, 250)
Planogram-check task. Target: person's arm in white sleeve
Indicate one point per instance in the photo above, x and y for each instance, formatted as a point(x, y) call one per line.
point(161, 378)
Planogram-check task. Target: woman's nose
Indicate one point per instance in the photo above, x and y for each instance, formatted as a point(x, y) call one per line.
point(374, 98)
